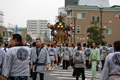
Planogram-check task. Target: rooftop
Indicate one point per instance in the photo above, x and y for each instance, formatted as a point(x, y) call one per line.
point(99, 3)
point(84, 7)
point(19, 28)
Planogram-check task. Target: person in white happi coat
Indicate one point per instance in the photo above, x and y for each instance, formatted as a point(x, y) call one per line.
point(84, 47)
point(5, 46)
point(111, 70)
point(16, 60)
point(79, 63)
point(87, 56)
point(111, 49)
point(57, 52)
point(39, 59)
point(2, 54)
point(66, 57)
point(103, 52)
point(53, 56)
point(60, 52)
point(32, 47)
point(74, 49)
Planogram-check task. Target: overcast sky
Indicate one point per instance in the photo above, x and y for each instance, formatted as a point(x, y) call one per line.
point(17, 12)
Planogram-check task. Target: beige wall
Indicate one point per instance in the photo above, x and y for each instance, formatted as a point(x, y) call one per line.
point(3, 30)
point(107, 16)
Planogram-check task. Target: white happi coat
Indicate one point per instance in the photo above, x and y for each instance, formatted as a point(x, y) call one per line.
point(87, 53)
point(66, 53)
point(111, 67)
point(52, 53)
point(16, 61)
point(2, 55)
point(111, 50)
point(42, 58)
point(103, 49)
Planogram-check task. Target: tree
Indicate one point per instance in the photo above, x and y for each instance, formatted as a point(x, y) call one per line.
point(95, 34)
point(1, 39)
point(28, 38)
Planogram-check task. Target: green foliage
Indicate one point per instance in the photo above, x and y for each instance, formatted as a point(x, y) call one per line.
point(94, 34)
point(28, 38)
point(1, 39)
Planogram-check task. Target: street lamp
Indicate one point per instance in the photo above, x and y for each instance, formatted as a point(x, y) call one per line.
point(74, 27)
point(101, 11)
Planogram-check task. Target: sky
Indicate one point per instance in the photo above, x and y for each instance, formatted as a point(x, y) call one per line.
point(17, 12)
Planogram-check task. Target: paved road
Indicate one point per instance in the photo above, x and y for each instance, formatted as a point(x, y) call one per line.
point(60, 74)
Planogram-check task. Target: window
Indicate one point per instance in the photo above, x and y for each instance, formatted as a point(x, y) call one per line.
point(3, 33)
point(108, 31)
point(81, 15)
point(98, 19)
point(93, 18)
point(78, 29)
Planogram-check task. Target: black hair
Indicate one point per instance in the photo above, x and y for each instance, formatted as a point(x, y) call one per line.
point(38, 39)
point(79, 44)
point(34, 44)
point(117, 45)
point(78, 47)
point(84, 45)
point(66, 45)
point(88, 46)
point(6, 43)
point(52, 46)
point(18, 37)
point(48, 45)
point(103, 43)
point(72, 45)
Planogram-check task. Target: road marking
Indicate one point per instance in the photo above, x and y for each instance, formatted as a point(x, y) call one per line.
point(66, 78)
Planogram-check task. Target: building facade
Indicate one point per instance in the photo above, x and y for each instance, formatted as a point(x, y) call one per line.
point(22, 31)
point(5, 33)
point(86, 14)
point(38, 29)
point(1, 18)
point(44, 30)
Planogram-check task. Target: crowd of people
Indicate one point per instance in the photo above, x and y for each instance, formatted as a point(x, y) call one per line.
point(16, 59)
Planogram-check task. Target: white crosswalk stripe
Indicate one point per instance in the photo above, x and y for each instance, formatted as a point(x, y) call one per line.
point(67, 75)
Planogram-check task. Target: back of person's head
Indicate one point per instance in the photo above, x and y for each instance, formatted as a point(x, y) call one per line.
point(117, 45)
point(66, 45)
point(72, 45)
point(79, 48)
point(84, 45)
point(91, 46)
point(34, 44)
point(17, 37)
point(6, 43)
point(88, 46)
point(103, 44)
point(48, 45)
point(52, 45)
point(79, 44)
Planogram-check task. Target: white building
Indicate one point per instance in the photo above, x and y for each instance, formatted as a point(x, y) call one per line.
point(99, 3)
point(44, 30)
point(38, 29)
point(1, 18)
